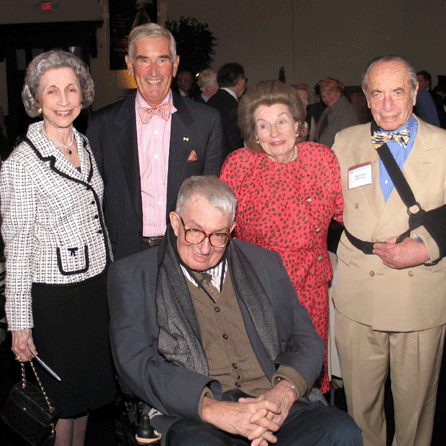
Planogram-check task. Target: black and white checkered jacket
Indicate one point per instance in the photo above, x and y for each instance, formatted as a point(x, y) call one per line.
point(52, 221)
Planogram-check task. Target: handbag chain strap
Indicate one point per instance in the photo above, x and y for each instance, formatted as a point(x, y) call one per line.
point(22, 365)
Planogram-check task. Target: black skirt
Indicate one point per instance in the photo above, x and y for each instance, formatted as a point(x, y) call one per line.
point(71, 335)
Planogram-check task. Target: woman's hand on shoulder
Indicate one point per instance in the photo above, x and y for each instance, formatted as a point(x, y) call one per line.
point(23, 344)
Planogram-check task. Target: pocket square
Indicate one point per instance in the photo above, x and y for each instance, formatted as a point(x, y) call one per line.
point(192, 156)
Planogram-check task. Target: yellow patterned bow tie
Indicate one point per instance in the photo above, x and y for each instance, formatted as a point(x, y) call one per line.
point(146, 113)
point(380, 138)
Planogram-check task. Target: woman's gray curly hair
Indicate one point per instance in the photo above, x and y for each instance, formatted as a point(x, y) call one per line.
point(48, 61)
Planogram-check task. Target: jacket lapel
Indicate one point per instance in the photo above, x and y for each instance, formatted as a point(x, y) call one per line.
point(366, 154)
point(127, 149)
point(415, 169)
point(58, 161)
point(85, 158)
point(181, 144)
point(65, 166)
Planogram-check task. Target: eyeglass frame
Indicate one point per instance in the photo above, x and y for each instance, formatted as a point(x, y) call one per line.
point(206, 236)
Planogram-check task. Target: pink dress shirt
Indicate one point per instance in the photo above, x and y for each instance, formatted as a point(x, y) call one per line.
point(153, 153)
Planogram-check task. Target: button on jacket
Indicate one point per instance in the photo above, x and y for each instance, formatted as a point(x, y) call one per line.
point(52, 221)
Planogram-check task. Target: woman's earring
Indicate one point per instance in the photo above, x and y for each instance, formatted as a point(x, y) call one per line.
point(40, 111)
point(257, 140)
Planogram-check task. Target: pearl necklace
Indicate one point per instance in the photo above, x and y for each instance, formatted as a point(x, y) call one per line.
point(294, 156)
point(70, 152)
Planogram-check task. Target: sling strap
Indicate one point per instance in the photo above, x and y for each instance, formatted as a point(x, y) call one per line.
point(404, 191)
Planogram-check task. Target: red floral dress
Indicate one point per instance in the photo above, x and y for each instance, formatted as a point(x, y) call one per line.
point(287, 208)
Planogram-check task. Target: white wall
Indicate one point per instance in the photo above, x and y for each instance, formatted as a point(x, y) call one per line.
point(312, 39)
point(106, 88)
point(258, 34)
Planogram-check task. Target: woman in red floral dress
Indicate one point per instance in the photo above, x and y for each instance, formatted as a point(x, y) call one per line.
point(287, 193)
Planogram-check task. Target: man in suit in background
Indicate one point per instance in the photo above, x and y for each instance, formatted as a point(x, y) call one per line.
point(209, 332)
point(207, 81)
point(389, 295)
point(424, 81)
point(232, 82)
point(184, 82)
point(147, 144)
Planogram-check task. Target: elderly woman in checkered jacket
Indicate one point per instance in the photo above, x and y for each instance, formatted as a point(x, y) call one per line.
point(56, 245)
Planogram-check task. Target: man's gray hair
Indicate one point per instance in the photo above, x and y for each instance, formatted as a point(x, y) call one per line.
point(217, 192)
point(411, 74)
point(207, 78)
point(48, 61)
point(151, 30)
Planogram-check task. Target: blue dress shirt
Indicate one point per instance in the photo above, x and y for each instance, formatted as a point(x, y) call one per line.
point(399, 154)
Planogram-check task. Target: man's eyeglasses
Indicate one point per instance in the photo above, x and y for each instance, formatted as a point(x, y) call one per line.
point(196, 236)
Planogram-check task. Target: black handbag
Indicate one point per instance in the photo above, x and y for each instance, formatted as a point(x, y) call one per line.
point(30, 413)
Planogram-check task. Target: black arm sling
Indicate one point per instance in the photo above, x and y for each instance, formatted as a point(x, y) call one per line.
point(434, 220)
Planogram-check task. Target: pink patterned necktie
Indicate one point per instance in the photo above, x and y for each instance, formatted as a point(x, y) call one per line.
point(146, 113)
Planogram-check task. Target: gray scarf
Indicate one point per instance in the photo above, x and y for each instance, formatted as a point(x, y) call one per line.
point(180, 337)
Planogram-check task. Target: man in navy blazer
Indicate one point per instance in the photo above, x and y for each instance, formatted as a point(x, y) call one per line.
point(232, 82)
point(147, 144)
point(228, 361)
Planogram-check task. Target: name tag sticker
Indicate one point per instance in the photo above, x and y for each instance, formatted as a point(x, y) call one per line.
point(360, 175)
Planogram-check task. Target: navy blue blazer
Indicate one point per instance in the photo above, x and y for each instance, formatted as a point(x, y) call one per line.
point(112, 135)
point(227, 105)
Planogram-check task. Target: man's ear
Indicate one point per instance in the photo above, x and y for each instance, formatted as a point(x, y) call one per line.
point(175, 66)
point(175, 222)
point(239, 83)
point(367, 98)
point(129, 65)
point(414, 97)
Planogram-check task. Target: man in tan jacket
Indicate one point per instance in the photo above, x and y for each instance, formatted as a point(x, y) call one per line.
point(391, 301)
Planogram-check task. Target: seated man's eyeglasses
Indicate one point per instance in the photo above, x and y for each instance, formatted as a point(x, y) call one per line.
point(196, 236)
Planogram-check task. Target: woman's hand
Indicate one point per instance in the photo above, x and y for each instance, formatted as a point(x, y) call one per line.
point(23, 344)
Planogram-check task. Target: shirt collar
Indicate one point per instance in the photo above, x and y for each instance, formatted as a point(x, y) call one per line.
point(141, 102)
point(216, 273)
point(411, 124)
point(230, 92)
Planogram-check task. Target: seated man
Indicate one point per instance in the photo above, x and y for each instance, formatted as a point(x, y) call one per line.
point(209, 332)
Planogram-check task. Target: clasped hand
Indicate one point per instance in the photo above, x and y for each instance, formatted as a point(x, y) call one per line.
point(253, 418)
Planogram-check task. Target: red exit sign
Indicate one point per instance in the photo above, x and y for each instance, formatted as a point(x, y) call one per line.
point(46, 6)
